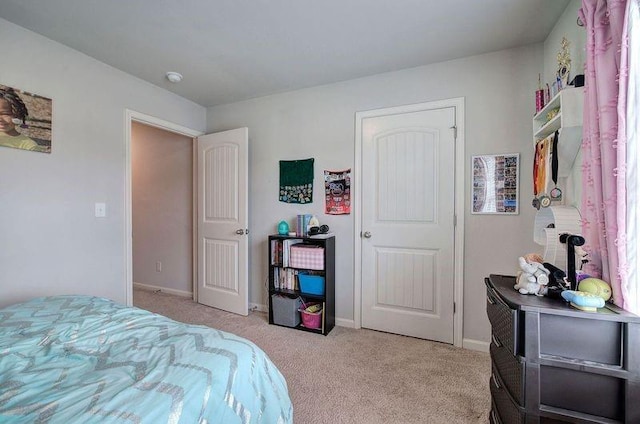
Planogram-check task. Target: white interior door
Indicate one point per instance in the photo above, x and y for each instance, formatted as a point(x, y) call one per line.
point(222, 234)
point(407, 243)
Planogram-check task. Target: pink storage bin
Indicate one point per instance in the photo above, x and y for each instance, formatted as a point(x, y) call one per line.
point(307, 256)
point(310, 319)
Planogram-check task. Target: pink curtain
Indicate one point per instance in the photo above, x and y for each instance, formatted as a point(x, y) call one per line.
point(603, 177)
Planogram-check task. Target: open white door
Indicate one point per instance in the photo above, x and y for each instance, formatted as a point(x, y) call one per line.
point(222, 235)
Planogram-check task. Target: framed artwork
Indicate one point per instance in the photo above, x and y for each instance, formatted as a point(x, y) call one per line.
point(25, 120)
point(495, 182)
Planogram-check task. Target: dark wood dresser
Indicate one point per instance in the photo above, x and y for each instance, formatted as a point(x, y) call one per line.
point(552, 363)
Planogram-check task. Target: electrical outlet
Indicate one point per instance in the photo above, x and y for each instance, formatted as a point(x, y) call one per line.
point(101, 210)
point(158, 266)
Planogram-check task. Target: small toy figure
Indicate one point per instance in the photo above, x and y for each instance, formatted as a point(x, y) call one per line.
point(533, 277)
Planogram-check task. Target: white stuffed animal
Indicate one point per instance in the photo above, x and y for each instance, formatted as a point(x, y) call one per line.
point(533, 277)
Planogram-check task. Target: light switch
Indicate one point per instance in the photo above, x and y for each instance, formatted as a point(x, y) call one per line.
point(101, 210)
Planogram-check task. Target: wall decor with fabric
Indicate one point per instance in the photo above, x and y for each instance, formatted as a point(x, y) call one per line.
point(337, 192)
point(296, 181)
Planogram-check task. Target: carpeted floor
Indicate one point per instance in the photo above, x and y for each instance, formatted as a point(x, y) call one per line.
point(355, 376)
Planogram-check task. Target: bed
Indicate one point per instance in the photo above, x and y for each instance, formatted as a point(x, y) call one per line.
point(83, 359)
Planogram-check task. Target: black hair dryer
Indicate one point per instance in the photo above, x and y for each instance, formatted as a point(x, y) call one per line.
point(557, 281)
point(571, 241)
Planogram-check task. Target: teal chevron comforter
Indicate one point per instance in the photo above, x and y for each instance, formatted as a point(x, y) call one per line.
point(81, 359)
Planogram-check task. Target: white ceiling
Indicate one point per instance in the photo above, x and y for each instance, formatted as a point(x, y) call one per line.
point(231, 50)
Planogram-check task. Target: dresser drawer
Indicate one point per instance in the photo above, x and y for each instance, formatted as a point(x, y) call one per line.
point(507, 410)
point(494, 418)
point(510, 368)
point(504, 322)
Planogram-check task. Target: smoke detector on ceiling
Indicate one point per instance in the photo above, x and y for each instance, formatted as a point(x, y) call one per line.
point(174, 77)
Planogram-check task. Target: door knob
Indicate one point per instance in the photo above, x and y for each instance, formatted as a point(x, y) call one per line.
point(366, 234)
point(240, 231)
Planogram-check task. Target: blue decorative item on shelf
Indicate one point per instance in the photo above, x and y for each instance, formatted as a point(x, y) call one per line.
point(283, 228)
point(583, 300)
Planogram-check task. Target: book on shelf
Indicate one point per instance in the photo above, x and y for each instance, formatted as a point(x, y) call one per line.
point(286, 250)
point(276, 278)
point(285, 279)
point(302, 225)
point(281, 250)
point(276, 252)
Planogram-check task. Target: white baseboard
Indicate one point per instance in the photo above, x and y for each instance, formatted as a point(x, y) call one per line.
point(163, 289)
point(349, 323)
point(475, 345)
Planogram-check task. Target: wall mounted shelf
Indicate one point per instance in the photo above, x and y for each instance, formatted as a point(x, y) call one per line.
point(569, 123)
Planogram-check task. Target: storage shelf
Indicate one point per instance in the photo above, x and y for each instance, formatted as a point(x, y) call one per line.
point(553, 103)
point(568, 122)
point(296, 293)
point(316, 271)
point(549, 128)
point(276, 245)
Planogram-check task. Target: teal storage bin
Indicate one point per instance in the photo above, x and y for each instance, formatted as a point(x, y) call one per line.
point(311, 284)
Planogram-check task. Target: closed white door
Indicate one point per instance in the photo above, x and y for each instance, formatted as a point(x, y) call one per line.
point(222, 234)
point(407, 239)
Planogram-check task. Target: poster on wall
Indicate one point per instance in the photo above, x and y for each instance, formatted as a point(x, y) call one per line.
point(494, 182)
point(337, 189)
point(25, 120)
point(296, 181)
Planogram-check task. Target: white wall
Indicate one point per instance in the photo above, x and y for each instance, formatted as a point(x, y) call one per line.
point(51, 241)
point(319, 122)
point(162, 179)
point(577, 36)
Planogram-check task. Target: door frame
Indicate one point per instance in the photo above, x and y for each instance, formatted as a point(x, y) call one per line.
point(130, 117)
point(459, 199)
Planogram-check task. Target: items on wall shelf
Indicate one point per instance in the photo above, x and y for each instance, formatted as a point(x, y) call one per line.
point(557, 137)
point(549, 224)
point(568, 120)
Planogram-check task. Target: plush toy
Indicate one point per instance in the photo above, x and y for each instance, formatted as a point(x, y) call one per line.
point(596, 286)
point(533, 257)
point(532, 278)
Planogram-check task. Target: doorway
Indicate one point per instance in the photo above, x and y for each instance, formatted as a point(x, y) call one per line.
point(130, 118)
point(162, 209)
point(409, 226)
